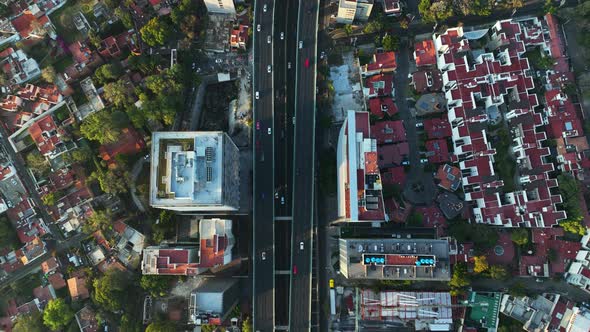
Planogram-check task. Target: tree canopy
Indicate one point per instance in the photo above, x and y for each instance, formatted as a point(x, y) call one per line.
point(29, 323)
point(118, 93)
point(167, 326)
point(110, 290)
point(57, 314)
point(37, 163)
point(99, 127)
point(48, 74)
point(520, 236)
point(574, 226)
point(481, 264)
point(570, 193)
point(108, 72)
point(99, 220)
point(8, 237)
point(482, 236)
point(498, 272)
point(437, 11)
point(155, 32)
point(460, 280)
point(156, 285)
point(390, 43)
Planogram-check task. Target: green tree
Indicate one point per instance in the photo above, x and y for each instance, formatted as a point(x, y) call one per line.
point(112, 181)
point(549, 7)
point(79, 155)
point(118, 93)
point(574, 226)
point(483, 236)
point(208, 328)
point(520, 236)
point(156, 285)
point(416, 219)
point(125, 17)
point(99, 220)
point(167, 326)
point(187, 27)
point(100, 127)
point(51, 199)
point(57, 314)
point(29, 323)
point(498, 272)
point(155, 32)
point(348, 29)
point(94, 38)
point(163, 84)
point(8, 237)
point(570, 193)
point(459, 280)
point(517, 289)
point(111, 290)
point(48, 74)
point(481, 264)
point(108, 72)
point(37, 163)
point(390, 43)
point(373, 26)
point(247, 325)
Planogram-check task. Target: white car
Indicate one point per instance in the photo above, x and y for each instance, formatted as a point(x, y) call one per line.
point(218, 61)
point(419, 125)
point(282, 35)
point(264, 8)
point(268, 40)
point(269, 131)
point(301, 245)
point(300, 44)
point(258, 28)
point(257, 95)
point(282, 200)
point(263, 255)
point(289, 64)
point(269, 68)
point(423, 160)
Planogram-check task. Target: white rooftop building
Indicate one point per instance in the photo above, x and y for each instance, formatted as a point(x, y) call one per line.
point(350, 10)
point(194, 171)
point(220, 6)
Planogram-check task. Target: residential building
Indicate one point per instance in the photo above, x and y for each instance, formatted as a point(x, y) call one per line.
point(423, 311)
point(47, 135)
point(552, 253)
point(392, 7)
point(395, 259)
point(86, 319)
point(485, 73)
point(212, 301)
point(9, 33)
point(427, 80)
point(351, 10)
point(545, 312)
point(578, 273)
point(18, 67)
point(389, 131)
point(425, 53)
point(360, 196)
point(382, 63)
point(239, 37)
point(214, 250)
point(220, 7)
point(129, 142)
point(194, 171)
point(382, 106)
point(78, 289)
point(448, 177)
point(31, 25)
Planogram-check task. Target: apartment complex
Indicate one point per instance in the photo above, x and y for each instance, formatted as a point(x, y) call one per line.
point(351, 10)
point(395, 259)
point(220, 6)
point(360, 197)
point(487, 80)
point(194, 171)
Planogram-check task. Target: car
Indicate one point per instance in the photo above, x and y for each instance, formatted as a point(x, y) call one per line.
point(293, 120)
point(257, 125)
point(269, 69)
point(264, 8)
point(405, 163)
point(194, 65)
point(282, 35)
point(276, 194)
point(263, 255)
point(269, 131)
point(258, 28)
point(257, 95)
point(307, 63)
point(289, 65)
point(268, 40)
point(322, 55)
point(301, 245)
point(282, 200)
point(217, 61)
point(300, 44)
point(419, 125)
point(147, 156)
point(424, 160)
point(294, 269)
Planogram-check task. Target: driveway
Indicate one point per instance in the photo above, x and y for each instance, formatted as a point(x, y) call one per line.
point(137, 167)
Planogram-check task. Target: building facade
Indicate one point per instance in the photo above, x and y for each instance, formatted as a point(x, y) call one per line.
point(351, 10)
point(220, 6)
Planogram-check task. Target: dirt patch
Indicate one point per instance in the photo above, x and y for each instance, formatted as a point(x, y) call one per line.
point(215, 114)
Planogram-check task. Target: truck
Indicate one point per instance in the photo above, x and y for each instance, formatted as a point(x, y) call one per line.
point(332, 301)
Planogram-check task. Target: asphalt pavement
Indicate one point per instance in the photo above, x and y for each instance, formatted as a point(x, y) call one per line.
point(263, 167)
point(303, 179)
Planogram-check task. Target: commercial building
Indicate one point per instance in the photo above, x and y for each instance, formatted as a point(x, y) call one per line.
point(425, 311)
point(220, 6)
point(211, 302)
point(360, 197)
point(194, 171)
point(351, 10)
point(214, 249)
point(395, 259)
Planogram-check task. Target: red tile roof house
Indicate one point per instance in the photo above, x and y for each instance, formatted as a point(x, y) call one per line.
point(30, 26)
point(467, 85)
point(18, 67)
point(85, 61)
point(50, 265)
point(11, 103)
point(48, 137)
point(546, 240)
point(425, 53)
point(381, 106)
point(427, 80)
point(78, 289)
point(379, 86)
point(389, 131)
point(448, 177)
point(382, 63)
point(437, 128)
point(360, 197)
point(239, 37)
point(129, 142)
point(109, 48)
point(437, 151)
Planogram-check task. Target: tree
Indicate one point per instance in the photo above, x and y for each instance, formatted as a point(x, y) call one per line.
point(155, 32)
point(125, 17)
point(483, 237)
point(112, 181)
point(437, 11)
point(100, 127)
point(156, 285)
point(167, 326)
point(118, 93)
point(57, 314)
point(390, 43)
point(163, 84)
point(108, 72)
point(208, 328)
point(29, 323)
point(570, 193)
point(99, 220)
point(188, 26)
point(481, 264)
point(415, 219)
point(574, 226)
point(48, 74)
point(94, 38)
point(373, 26)
point(8, 237)
point(247, 325)
point(37, 163)
point(51, 199)
point(517, 289)
point(520, 236)
point(348, 29)
point(498, 272)
point(79, 155)
point(549, 7)
point(460, 279)
point(110, 290)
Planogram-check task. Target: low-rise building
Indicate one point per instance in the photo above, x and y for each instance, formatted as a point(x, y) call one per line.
point(239, 37)
point(351, 10)
point(18, 67)
point(221, 7)
point(448, 177)
point(546, 312)
point(212, 301)
point(384, 62)
point(392, 7)
point(194, 171)
point(395, 259)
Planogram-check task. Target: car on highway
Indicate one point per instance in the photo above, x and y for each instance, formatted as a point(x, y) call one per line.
point(264, 8)
point(217, 61)
point(301, 245)
point(269, 131)
point(307, 63)
point(257, 125)
point(289, 65)
point(263, 255)
point(257, 95)
point(294, 269)
point(268, 40)
point(424, 160)
point(282, 200)
point(258, 28)
point(269, 69)
point(300, 44)
point(282, 35)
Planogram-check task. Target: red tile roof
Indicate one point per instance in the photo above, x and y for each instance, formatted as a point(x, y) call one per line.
point(380, 85)
point(24, 23)
point(57, 281)
point(109, 47)
point(448, 177)
point(393, 154)
point(44, 134)
point(438, 151)
point(425, 53)
point(381, 106)
point(389, 131)
point(49, 265)
point(427, 80)
point(78, 289)
point(437, 128)
point(129, 142)
point(382, 62)
point(394, 175)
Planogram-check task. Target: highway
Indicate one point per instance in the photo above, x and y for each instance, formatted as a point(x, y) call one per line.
point(304, 159)
point(263, 166)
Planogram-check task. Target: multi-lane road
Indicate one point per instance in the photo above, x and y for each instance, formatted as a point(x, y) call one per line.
point(263, 226)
